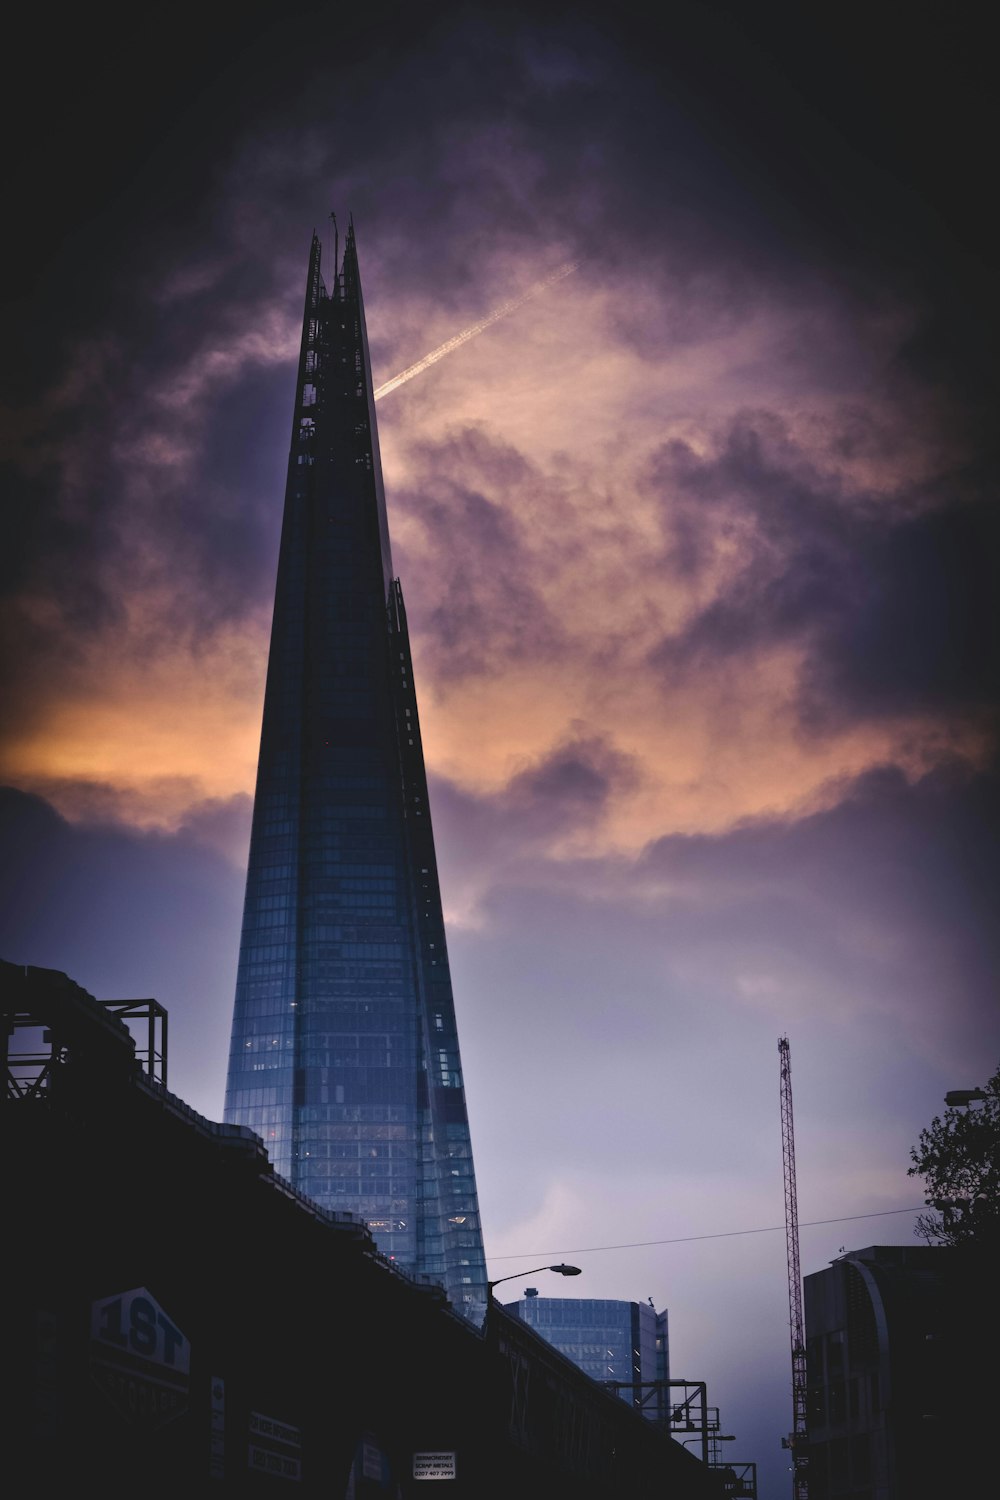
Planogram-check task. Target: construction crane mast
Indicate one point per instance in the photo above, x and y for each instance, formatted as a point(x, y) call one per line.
point(798, 1438)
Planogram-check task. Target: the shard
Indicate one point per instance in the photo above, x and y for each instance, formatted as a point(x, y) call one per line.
point(344, 1054)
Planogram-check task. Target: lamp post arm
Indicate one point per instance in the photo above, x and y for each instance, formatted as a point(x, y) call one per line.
point(562, 1270)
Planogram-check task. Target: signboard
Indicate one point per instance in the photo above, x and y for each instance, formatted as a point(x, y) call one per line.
point(275, 1448)
point(139, 1358)
point(434, 1466)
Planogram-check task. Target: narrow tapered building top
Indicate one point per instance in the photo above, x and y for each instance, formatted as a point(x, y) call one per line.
point(344, 1053)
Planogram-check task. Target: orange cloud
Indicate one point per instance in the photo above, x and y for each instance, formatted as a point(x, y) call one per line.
point(521, 499)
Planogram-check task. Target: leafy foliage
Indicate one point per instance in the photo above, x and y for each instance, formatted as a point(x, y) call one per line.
point(959, 1159)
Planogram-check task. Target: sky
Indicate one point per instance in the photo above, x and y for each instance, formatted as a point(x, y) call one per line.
point(698, 547)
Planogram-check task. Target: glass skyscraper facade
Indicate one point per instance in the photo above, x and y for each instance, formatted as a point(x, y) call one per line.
point(620, 1344)
point(344, 1055)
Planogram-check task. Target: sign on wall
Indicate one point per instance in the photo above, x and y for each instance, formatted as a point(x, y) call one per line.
point(275, 1448)
point(139, 1358)
point(434, 1466)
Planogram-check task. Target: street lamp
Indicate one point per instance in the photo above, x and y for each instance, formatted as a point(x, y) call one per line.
point(956, 1097)
point(562, 1270)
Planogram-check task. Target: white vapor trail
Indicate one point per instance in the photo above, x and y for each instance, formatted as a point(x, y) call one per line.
point(469, 333)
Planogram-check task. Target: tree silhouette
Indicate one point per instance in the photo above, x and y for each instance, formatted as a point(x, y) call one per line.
point(958, 1157)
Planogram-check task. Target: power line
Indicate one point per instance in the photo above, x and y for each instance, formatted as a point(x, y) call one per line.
point(722, 1234)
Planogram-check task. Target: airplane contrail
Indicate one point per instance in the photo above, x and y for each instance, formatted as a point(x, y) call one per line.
point(469, 333)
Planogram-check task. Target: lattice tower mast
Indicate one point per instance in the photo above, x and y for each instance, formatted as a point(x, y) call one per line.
point(798, 1438)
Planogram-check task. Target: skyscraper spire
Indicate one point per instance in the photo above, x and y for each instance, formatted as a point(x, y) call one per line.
point(344, 1054)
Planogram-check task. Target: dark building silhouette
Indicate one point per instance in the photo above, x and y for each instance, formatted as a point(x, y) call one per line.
point(344, 1055)
point(179, 1321)
point(901, 1368)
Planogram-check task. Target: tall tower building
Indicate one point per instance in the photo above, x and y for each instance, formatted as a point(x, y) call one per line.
point(344, 1054)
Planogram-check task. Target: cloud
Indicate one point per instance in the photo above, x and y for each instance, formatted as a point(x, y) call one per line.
point(874, 910)
point(597, 514)
point(171, 805)
point(890, 596)
point(486, 606)
point(572, 785)
point(694, 549)
point(927, 629)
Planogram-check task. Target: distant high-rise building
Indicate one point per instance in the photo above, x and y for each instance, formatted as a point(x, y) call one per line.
point(344, 1054)
point(623, 1345)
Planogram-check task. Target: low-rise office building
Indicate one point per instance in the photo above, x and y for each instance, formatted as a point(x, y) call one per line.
point(622, 1345)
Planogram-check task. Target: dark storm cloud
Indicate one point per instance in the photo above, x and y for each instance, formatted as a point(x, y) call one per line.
point(892, 595)
point(562, 793)
point(150, 474)
point(865, 929)
point(145, 467)
point(572, 786)
point(118, 494)
point(451, 139)
point(889, 891)
point(221, 824)
point(85, 883)
point(479, 561)
point(927, 632)
point(782, 128)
